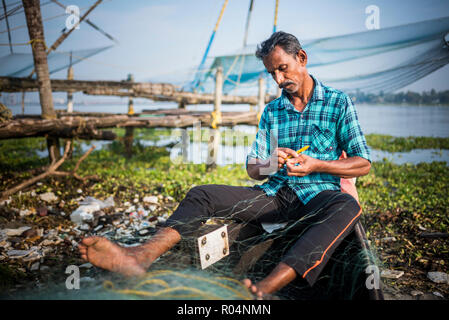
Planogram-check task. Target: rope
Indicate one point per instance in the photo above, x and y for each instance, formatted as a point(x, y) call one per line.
point(177, 292)
point(32, 42)
point(216, 119)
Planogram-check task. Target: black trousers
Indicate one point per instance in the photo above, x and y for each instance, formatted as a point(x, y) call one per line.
point(328, 218)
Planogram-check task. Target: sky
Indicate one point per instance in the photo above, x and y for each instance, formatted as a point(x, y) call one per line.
point(168, 37)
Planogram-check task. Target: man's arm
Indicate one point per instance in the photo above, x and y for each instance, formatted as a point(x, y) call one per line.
point(344, 168)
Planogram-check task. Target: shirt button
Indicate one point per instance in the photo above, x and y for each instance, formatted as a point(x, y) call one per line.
point(331, 148)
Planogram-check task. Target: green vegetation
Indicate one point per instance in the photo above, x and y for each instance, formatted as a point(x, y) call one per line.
point(398, 201)
point(401, 144)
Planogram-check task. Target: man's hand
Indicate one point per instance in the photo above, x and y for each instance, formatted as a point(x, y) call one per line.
point(306, 166)
point(283, 153)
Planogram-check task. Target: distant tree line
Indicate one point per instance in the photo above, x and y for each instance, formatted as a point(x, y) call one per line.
point(431, 97)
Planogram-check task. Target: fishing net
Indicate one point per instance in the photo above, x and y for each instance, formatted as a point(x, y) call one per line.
point(22, 64)
point(372, 61)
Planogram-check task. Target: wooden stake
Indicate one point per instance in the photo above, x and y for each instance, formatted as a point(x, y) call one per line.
point(261, 96)
point(214, 140)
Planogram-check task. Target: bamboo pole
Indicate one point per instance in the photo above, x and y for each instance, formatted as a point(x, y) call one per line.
point(7, 26)
point(129, 131)
point(261, 96)
point(214, 140)
point(70, 93)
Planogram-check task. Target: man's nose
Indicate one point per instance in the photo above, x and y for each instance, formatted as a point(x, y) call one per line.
point(278, 77)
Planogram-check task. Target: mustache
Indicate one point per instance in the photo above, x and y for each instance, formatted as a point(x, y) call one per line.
point(286, 83)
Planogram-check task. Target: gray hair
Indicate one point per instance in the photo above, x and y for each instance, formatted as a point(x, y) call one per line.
point(288, 42)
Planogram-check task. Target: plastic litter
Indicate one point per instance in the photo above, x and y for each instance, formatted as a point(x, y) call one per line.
point(87, 207)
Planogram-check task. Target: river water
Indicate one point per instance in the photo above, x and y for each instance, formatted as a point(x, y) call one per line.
point(395, 120)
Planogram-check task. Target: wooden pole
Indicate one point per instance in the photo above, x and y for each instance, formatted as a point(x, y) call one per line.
point(130, 99)
point(129, 131)
point(261, 96)
point(70, 93)
point(214, 140)
point(23, 102)
point(36, 33)
point(7, 26)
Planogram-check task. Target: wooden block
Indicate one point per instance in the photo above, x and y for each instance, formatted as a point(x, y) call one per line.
point(213, 246)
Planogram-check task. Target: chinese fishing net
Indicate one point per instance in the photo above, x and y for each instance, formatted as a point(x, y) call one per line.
point(373, 61)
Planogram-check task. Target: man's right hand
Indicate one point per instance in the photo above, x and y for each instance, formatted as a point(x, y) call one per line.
point(283, 153)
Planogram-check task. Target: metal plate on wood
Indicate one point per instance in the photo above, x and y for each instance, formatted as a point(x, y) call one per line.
point(213, 246)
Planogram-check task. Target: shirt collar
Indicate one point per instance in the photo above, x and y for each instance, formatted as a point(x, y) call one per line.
point(318, 94)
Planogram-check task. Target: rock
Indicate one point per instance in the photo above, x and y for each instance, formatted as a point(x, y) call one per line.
point(150, 199)
point(26, 212)
point(16, 254)
point(48, 197)
point(438, 277)
point(31, 233)
point(420, 227)
point(388, 239)
point(5, 244)
point(436, 293)
point(391, 274)
point(34, 256)
point(130, 209)
point(416, 293)
point(6, 201)
point(15, 232)
point(35, 266)
point(44, 268)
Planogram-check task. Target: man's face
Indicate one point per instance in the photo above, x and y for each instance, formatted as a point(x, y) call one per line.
point(288, 71)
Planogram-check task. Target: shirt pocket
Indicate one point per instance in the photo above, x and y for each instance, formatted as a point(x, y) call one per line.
point(323, 141)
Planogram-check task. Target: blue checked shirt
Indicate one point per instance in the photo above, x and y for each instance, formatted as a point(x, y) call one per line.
point(328, 124)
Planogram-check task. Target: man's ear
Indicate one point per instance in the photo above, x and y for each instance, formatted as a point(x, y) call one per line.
point(301, 56)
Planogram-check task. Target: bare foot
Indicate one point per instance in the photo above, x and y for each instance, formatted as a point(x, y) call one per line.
point(104, 254)
point(253, 289)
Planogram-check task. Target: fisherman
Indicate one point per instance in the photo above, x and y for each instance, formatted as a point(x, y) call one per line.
point(302, 186)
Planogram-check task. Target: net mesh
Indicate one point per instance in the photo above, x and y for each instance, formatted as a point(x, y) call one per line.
point(372, 61)
point(21, 64)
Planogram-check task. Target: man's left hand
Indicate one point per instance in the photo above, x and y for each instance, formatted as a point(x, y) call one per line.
point(306, 165)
